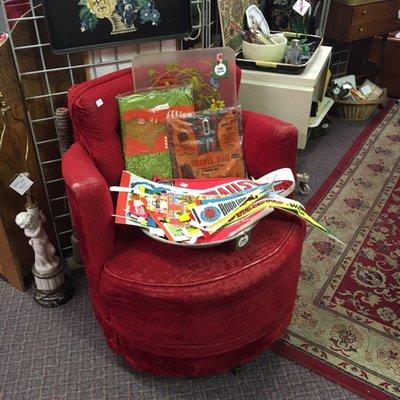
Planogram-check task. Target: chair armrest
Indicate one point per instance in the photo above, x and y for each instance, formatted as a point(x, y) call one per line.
point(91, 208)
point(268, 144)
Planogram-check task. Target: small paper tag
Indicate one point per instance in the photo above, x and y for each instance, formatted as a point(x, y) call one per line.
point(99, 102)
point(220, 69)
point(301, 6)
point(21, 184)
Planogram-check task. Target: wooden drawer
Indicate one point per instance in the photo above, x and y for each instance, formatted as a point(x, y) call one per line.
point(372, 28)
point(378, 10)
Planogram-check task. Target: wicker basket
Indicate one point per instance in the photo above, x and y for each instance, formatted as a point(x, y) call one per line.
point(351, 111)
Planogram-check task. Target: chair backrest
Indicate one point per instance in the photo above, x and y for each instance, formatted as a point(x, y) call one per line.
point(94, 114)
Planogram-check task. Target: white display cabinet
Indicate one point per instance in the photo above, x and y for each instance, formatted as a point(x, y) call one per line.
point(284, 96)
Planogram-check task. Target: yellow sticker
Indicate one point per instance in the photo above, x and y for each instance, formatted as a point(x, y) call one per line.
point(184, 217)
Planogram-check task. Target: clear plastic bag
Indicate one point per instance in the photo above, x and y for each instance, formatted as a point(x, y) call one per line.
point(207, 144)
point(143, 117)
point(211, 72)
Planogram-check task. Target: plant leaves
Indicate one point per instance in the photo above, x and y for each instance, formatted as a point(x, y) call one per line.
point(151, 73)
point(93, 22)
point(297, 25)
point(306, 49)
point(84, 12)
point(171, 66)
point(141, 3)
point(90, 21)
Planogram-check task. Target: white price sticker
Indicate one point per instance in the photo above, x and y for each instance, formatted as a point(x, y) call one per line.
point(301, 6)
point(21, 184)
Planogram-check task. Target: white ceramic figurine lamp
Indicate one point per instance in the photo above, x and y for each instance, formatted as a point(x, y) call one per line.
point(51, 287)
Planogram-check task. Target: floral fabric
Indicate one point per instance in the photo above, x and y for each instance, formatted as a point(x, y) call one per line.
point(348, 303)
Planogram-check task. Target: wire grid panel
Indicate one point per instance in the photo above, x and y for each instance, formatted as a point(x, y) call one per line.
point(44, 79)
point(325, 5)
point(205, 25)
point(210, 27)
point(340, 57)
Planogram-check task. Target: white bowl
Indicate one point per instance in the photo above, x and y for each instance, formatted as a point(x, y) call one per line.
point(265, 52)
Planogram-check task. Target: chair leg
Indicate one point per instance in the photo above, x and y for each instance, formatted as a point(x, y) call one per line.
point(235, 371)
point(302, 183)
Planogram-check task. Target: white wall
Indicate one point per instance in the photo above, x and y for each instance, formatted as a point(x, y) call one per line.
point(125, 54)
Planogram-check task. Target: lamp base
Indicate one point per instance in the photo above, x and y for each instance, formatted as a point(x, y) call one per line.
point(52, 289)
point(54, 298)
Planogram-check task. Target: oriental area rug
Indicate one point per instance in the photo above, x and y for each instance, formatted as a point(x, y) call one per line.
point(346, 324)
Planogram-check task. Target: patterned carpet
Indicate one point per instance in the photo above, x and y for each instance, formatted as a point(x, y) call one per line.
point(347, 310)
point(60, 354)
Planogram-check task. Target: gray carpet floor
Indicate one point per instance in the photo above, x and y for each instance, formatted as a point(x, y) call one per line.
point(60, 354)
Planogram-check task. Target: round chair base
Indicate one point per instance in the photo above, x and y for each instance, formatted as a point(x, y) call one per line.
point(202, 366)
point(188, 313)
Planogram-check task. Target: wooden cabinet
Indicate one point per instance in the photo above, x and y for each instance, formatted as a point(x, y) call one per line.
point(16, 256)
point(389, 74)
point(353, 22)
point(9, 268)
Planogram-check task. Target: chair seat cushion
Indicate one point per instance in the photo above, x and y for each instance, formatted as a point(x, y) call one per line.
point(179, 302)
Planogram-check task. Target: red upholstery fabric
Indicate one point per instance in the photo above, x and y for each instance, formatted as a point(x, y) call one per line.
point(183, 305)
point(96, 126)
point(262, 154)
point(168, 310)
point(15, 9)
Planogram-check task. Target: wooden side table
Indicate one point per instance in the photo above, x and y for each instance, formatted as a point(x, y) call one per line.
point(354, 20)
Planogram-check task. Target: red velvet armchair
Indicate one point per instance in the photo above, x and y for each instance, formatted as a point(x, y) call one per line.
point(168, 310)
